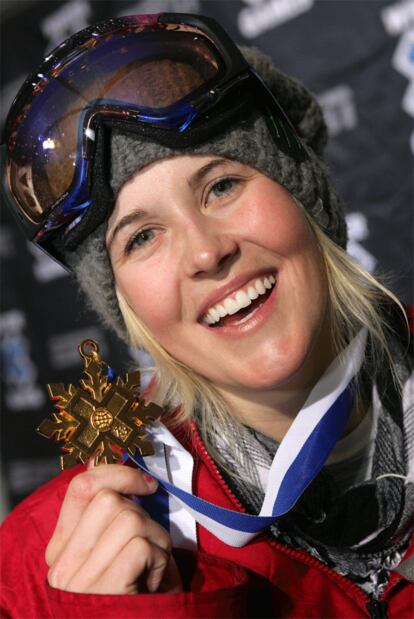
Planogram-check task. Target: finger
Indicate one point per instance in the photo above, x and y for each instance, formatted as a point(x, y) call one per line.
point(107, 525)
point(102, 551)
point(96, 518)
point(81, 491)
point(137, 558)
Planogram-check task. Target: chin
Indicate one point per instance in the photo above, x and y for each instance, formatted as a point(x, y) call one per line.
point(276, 367)
point(269, 378)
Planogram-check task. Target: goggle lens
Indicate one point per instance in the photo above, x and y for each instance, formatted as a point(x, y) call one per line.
point(150, 76)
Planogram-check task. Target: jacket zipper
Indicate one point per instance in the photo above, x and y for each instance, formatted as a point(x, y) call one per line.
point(214, 469)
point(376, 607)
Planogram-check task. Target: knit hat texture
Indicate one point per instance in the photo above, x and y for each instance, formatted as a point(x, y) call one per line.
point(248, 141)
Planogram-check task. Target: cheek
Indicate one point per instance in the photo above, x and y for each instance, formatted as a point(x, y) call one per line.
point(152, 296)
point(307, 288)
point(276, 222)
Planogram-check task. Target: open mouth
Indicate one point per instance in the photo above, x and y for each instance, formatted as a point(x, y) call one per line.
point(244, 314)
point(239, 308)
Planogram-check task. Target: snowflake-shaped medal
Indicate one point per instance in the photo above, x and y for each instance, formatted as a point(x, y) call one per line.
point(100, 418)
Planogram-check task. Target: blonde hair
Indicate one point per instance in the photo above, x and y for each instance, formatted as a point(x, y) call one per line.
point(356, 300)
point(175, 384)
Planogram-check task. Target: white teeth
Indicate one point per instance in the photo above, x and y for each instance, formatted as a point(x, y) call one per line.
point(215, 314)
point(231, 306)
point(222, 312)
point(259, 286)
point(252, 292)
point(242, 298)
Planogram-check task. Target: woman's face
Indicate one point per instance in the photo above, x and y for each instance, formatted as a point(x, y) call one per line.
point(193, 237)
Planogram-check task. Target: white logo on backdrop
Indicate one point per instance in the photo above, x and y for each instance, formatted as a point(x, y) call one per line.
point(262, 15)
point(399, 19)
point(20, 373)
point(65, 21)
point(358, 231)
point(45, 269)
point(403, 61)
point(63, 348)
point(339, 109)
point(162, 6)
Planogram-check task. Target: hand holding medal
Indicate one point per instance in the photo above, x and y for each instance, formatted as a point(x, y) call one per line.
point(103, 541)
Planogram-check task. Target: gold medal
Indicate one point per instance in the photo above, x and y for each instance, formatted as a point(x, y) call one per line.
point(99, 418)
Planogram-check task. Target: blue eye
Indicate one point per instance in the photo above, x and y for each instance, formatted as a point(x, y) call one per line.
point(140, 239)
point(223, 186)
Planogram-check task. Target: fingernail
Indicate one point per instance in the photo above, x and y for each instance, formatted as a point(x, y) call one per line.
point(148, 478)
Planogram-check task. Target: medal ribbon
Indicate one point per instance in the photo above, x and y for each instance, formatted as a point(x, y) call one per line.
point(299, 458)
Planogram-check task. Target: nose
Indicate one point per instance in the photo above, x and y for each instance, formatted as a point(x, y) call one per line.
point(208, 248)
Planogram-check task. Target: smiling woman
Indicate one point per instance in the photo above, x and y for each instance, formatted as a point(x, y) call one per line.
point(208, 234)
point(206, 249)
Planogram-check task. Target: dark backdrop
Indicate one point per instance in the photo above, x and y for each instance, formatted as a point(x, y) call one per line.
point(356, 56)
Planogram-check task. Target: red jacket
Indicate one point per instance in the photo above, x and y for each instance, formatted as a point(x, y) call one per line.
point(262, 579)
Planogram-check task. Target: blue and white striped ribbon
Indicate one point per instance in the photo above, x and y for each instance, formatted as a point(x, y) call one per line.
point(300, 456)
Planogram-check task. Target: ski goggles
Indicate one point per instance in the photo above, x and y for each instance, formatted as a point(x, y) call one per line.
point(166, 72)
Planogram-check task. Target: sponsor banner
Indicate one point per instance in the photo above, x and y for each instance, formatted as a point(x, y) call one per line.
point(26, 474)
point(158, 6)
point(63, 347)
point(64, 21)
point(356, 57)
point(259, 16)
point(44, 268)
point(398, 16)
point(358, 232)
point(339, 109)
point(21, 390)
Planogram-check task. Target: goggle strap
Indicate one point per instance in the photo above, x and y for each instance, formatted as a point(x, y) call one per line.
point(199, 131)
point(101, 192)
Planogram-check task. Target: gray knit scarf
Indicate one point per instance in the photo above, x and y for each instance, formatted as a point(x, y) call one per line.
point(323, 521)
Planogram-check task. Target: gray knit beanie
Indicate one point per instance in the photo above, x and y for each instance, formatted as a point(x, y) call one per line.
point(247, 141)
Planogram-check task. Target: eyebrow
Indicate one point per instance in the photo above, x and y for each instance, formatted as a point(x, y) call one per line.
point(202, 172)
point(133, 217)
point(138, 214)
